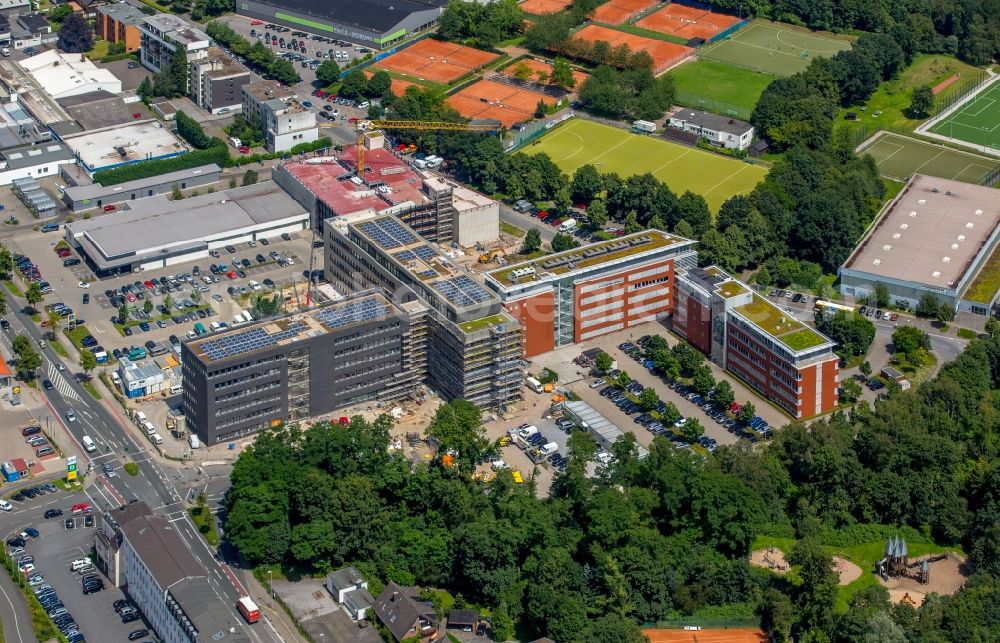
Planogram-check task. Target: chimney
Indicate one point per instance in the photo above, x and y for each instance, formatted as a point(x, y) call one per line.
point(395, 597)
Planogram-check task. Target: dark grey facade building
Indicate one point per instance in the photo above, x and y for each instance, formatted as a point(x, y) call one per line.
point(474, 348)
point(247, 378)
point(94, 195)
point(377, 23)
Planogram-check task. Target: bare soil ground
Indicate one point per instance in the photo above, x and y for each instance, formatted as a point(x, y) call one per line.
point(770, 558)
point(946, 577)
point(846, 570)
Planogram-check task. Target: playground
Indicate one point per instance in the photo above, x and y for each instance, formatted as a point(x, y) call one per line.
point(500, 101)
point(436, 60)
point(615, 12)
point(773, 49)
point(542, 7)
point(977, 121)
point(664, 54)
point(900, 156)
point(912, 579)
point(610, 149)
point(687, 22)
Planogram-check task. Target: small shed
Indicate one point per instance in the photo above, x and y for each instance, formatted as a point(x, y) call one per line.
point(464, 620)
point(890, 373)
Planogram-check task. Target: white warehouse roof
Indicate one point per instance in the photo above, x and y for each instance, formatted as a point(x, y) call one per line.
point(63, 75)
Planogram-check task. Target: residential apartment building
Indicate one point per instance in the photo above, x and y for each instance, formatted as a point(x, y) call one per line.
point(161, 34)
point(247, 378)
point(144, 554)
point(284, 122)
point(790, 363)
point(216, 81)
point(593, 290)
point(119, 23)
point(721, 131)
point(474, 348)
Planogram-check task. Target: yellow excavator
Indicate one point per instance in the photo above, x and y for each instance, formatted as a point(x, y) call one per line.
point(487, 257)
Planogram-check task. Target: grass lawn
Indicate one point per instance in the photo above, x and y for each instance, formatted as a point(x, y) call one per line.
point(100, 50)
point(58, 348)
point(511, 229)
point(892, 98)
point(719, 85)
point(776, 48)
point(205, 522)
point(77, 334)
point(12, 287)
point(89, 385)
point(610, 149)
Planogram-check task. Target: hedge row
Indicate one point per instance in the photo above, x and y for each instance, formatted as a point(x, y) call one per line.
point(146, 169)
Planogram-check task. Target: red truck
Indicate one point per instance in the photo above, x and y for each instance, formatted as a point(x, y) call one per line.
point(248, 609)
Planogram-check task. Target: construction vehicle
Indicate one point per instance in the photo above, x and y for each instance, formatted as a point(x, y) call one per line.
point(487, 257)
point(366, 126)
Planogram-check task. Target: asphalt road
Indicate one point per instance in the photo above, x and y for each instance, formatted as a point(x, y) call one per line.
point(525, 222)
point(14, 613)
point(116, 446)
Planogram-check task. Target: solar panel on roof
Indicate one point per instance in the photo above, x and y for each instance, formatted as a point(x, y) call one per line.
point(352, 313)
point(462, 291)
point(388, 233)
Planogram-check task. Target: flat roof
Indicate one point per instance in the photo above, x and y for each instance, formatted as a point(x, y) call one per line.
point(32, 155)
point(779, 325)
point(597, 423)
point(59, 72)
point(222, 64)
point(329, 180)
point(122, 12)
point(176, 28)
point(156, 225)
point(932, 234)
point(140, 141)
point(248, 339)
point(588, 256)
point(96, 190)
point(102, 109)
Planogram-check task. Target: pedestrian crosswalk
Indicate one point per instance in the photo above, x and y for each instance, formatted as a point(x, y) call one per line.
point(61, 384)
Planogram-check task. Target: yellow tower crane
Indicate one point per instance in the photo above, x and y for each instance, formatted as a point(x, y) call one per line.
point(369, 125)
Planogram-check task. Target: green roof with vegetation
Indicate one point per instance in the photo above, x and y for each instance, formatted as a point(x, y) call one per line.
point(657, 238)
point(986, 284)
point(728, 289)
point(780, 325)
point(480, 324)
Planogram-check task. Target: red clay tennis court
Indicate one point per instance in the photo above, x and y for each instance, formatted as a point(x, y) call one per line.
point(665, 54)
point(616, 12)
point(436, 60)
point(707, 635)
point(687, 22)
point(542, 7)
point(499, 101)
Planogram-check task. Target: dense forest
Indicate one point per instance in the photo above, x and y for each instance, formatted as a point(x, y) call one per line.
point(659, 538)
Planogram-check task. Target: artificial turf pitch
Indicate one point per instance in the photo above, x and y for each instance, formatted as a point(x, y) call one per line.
point(900, 156)
point(772, 49)
point(578, 142)
point(977, 121)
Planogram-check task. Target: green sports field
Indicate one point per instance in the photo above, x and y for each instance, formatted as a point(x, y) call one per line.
point(719, 87)
point(977, 121)
point(900, 156)
point(773, 49)
point(578, 142)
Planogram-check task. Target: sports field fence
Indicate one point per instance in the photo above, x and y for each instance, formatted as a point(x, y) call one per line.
point(714, 623)
point(968, 87)
point(693, 99)
point(533, 130)
point(722, 35)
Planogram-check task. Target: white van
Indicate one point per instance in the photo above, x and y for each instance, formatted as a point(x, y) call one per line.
point(150, 429)
point(215, 326)
point(253, 285)
point(193, 441)
point(140, 417)
point(533, 384)
point(79, 564)
point(157, 439)
point(568, 225)
point(88, 444)
point(548, 449)
point(527, 432)
point(176, 389)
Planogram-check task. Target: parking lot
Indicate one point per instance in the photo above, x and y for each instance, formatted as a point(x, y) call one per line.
point(98, 309)
point(54, 550)
point(315, 49)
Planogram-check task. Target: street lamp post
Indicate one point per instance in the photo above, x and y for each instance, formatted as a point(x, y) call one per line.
point(270, 583)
